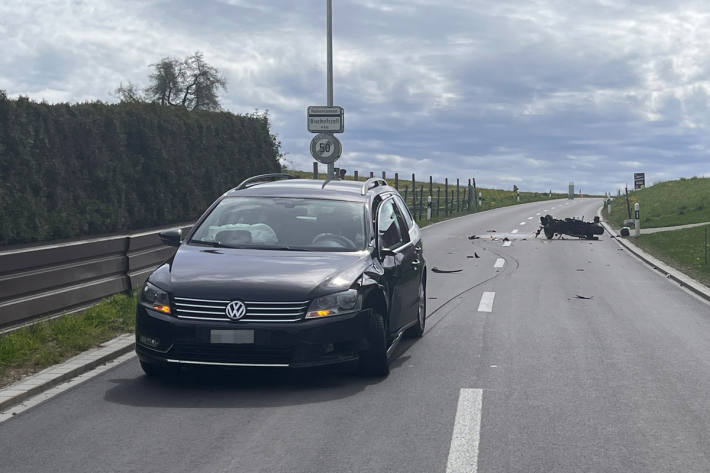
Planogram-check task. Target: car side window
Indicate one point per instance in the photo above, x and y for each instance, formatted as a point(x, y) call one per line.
point(389, 226)
point(404, 211)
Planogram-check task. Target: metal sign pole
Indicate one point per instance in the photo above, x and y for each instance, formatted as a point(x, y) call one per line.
point(331, 166)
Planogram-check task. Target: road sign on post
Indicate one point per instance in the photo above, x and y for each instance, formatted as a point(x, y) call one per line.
point(325, 148)
point(639, 180)
point(322, 119)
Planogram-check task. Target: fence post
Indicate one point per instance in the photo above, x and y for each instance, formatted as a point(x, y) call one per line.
point(421, 201)
point(372, 174)
point(438, 200)
point(355, 176)
point(396, 180)
point(706, 244)
point(428, 217)
point(336, 172)
point(414, 195)
point(384, 174)
point(446, 196)
point(458, 202)
point(405, 195)
point(315, 169)
point(431, 185)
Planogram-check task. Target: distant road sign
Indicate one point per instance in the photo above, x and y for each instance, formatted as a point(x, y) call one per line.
point(325, 148)
point(323, 119)
point(639, 180)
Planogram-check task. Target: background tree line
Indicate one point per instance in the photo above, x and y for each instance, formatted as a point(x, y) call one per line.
point(95, 168)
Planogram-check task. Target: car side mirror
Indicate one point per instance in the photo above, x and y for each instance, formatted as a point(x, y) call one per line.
point(171, 237)
point(382, 251)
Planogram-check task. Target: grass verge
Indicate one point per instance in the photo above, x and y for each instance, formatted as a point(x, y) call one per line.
point(682, 249)
point(667, 204)
point(35, 347)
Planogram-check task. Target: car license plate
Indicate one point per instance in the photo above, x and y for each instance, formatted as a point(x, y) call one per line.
point(231, 336)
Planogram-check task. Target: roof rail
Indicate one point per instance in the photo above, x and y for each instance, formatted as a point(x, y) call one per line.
point(254, 180)
point(375, 181)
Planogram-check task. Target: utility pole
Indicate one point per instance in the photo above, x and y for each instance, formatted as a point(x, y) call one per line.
point(331, 166)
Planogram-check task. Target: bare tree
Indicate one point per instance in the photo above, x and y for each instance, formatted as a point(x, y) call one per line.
point(191, 83)
point(166, 82)
point(128, 93)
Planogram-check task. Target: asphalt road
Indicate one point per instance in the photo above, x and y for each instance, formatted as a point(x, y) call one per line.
point(619, 382)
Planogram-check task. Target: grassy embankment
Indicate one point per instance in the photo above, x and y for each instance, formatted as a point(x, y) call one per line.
point(38, 346)
point(668, 204)
point(35, 347)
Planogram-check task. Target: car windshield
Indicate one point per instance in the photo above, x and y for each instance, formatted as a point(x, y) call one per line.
point(284, 224)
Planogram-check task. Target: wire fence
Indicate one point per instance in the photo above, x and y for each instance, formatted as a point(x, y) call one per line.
point(450, 198)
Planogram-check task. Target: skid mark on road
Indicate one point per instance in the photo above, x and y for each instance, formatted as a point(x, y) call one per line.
point(466, 437)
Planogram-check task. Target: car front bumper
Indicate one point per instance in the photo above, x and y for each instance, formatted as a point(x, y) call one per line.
point(167, 340)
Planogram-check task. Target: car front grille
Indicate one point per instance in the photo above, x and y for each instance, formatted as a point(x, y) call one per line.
point(207, 309)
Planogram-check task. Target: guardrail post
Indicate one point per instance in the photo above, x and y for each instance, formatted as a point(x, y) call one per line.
point(384, 174)
point(355, 176)
point(372, 174)
point(396, 180)
point(315, 169)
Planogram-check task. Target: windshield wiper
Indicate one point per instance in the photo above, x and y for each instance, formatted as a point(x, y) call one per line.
point(214, 244)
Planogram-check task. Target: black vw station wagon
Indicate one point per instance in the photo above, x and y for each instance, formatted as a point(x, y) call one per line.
point(285, 272)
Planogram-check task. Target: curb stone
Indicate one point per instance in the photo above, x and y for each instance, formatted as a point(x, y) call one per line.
point(54, 375)
point(669, 272)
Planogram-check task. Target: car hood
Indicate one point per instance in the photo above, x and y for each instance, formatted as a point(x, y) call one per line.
point(258, 275)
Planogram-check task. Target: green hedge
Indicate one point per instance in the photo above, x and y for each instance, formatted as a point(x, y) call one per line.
point(78, 170)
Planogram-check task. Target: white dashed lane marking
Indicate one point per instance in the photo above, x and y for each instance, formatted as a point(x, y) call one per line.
point(500, 262)
point(486, 304)
point(523, 223)
point(515, 231)
point(530, 218)
point(465, 439)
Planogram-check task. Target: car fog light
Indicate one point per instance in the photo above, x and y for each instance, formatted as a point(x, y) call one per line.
point(150, 341)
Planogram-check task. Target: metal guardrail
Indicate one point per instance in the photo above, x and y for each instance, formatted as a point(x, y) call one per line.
point(45, 280)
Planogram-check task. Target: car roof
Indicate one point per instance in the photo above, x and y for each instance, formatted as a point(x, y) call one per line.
point(310, 188)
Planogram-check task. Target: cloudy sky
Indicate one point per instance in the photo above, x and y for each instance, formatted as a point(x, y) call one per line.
point(528, 92)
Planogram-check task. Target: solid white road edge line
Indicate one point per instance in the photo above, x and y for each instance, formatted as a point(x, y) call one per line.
point(50, 393)
point(506, 243)
point(500, 262)
point(486, 304)
point(465, 439)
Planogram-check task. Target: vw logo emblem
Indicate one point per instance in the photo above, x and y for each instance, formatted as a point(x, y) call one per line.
point(236, 310)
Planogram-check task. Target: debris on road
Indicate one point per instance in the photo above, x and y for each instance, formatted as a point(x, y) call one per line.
point(473, 237)
point(580, 269)
point(506, 239)
point(437, 270)
point(476, 254)
point(491, 231)
point(584, 297)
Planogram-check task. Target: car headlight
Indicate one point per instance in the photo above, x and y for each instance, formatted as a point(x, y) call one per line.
point(334, 304)
point(155, 298)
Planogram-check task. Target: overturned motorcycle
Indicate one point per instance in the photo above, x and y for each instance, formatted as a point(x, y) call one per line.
point(570, 226)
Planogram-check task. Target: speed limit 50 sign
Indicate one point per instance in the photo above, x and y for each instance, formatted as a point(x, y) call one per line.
point(325, 148)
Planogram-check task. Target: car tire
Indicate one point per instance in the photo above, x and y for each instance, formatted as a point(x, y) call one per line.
point(417, 331)
point(157, 371)
point(373, 362)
